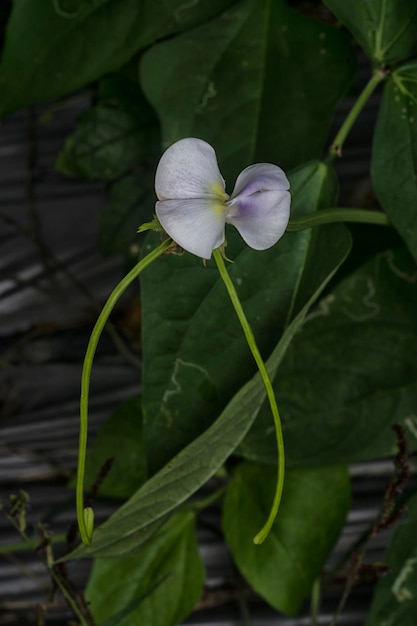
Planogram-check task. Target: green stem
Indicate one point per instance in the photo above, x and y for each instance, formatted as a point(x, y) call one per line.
point(315, 602)
point(29, 544)
point(263, 533)
point(200, 505)
point(331, 216)
point(85, 532)
point(71, 601)
point(337, 145)
point(32, 544)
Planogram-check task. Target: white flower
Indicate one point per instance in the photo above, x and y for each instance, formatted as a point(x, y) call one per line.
point(193, 207)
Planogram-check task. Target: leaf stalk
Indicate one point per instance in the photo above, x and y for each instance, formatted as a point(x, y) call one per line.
point(337, 145)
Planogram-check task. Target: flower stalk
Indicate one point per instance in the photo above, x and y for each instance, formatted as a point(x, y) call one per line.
point(85, 516)
point(264, 532)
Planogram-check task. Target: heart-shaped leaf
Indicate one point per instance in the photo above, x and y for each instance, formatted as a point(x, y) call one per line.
point(387, 31)
point(170, 556)
point(51, 50)
point(312, 512)
point(350, 373)
point(254, 83)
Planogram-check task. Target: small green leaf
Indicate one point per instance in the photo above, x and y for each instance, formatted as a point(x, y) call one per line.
point(386, 30)
point(254, 83)
point(394, 153)
point(195, 357)
point(350, 373)
point(121, 439)
point(107, 142)
point(312, 513)
point(171, 555)
point(395, 599)
point(50, 52)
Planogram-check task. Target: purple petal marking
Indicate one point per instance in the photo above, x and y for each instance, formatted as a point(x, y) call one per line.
point(260, 177)
point(261, 218)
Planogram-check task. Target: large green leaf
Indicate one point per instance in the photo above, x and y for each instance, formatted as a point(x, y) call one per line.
point(171, 555)
point(350, 373)
point(395, 599)
point(386, 29)
point(50, 51)
point(254, 82)
point(195, 357)
point(312, 512)
point(394, 154)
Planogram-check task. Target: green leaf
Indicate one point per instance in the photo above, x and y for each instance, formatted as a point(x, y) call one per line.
point(395, 599)
point(394, 153)
point(254, 83)
point(350, 373)
point(386, 30)
point(50, 52)
point(312, 513)
point(107, 142)
point(171, 555)
point(195, 357)
point(132, 202)
point(120, 439)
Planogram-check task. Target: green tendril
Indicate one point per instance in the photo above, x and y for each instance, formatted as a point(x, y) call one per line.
point(85, 517)
point(264, 532)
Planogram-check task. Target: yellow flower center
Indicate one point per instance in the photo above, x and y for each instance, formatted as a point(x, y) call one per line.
point(220, 197)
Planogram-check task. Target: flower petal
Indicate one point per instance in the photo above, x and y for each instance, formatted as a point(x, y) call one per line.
point(260, 177)
point(197, 224)
point(188, 169)
point(261, 218)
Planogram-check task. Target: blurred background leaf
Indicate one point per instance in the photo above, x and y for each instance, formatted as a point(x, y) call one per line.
point(387, 31)
point(118, 140)
point(395, 599)
point(109, 139)
point(50, 51)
